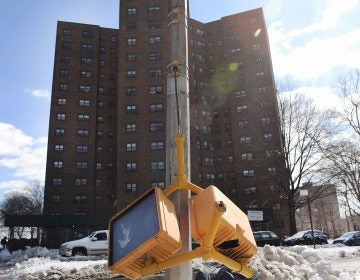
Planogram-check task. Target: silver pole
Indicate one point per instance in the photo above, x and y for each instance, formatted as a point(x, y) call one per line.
point(178, 122)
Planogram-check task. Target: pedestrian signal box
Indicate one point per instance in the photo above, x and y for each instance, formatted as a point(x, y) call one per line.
point(145, 232)
point(231, 236)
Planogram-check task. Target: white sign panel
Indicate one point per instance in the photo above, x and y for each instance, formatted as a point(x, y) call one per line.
point(304, 192)
point(255, 215)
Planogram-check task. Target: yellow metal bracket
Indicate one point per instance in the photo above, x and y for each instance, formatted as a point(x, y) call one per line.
point(206, 250)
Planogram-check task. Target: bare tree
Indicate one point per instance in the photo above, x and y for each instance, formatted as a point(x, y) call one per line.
point(344, 166)
point(303, 128)
point(28, 201)
point(348, 87)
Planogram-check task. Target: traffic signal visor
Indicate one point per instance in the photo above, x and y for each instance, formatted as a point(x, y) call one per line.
point(231, 237)
point(146, 231)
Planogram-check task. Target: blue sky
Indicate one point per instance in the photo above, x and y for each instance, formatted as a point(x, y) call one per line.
point(312, 43)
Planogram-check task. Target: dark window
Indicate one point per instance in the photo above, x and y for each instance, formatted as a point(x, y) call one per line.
point(131, 26)
point(131, 90)
point(152, 24)
point(86, 47)
point(87, 34)
point(156, 126)
point(65, 45)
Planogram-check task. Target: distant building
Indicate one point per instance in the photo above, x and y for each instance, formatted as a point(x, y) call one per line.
point(108, 113)
point(324, 211)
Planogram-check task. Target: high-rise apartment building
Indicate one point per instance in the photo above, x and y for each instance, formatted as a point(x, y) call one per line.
point(108, 113)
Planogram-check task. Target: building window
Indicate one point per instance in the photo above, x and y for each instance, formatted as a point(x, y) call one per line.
point(66, 31)
point(131, 41)
point(262, 90)
point(245, 140)
point(131, 127)
point(154, 56)
point(131, 26)
point(155, 90)
point(250, 190)
point(154, 40)
point(65, 59)
point(274, 188)
point(59, 148)
point(85, 88)
point(87, 34)
point(82, 148)
point(131, 109)
point(64, 72)
point(131, 187)
point(210, 177)
point(243, 108)
point(155, 108)
point(99, 134)
point(131, 90)
point(81, 182)
point(276, 206)
point(80, 198)
point(152, 24)
point(130, 57)
point(230, 159)
point(156, 126)
point(65, 45)
point(61, 116)
point(243, 124)
point(81, 165)
point(58, 164)
point(131, 166)
point(59, 131)
point(86, 47)
point(101, 63)
point(98, 182)
point(84, 102)
point(157, 165)
point(239, 94)
point(83, 117)
point(157, 145)
point(256, 47)
point(160, 184)
point(260, 75)
point(85, 74)
point(155, 73)
point(56, 198)
point(86, 60)
point(265, 120)
point(247, 156)
point(268, 136)
point(83, 132)
point(131, 11)
point(98, 166)
point(56, 181)
point(63, 87)
point(264, 104)
point(248, 173)
point(152, 10)
point(99, 149)
point(131, 74)
point(61, 101)
point(131, 147)
point(272, 171)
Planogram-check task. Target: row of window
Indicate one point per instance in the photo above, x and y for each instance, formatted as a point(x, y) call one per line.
point(63, 87)
point(83, 132)
point(151, 10)
point(82, 181)
point(152, 56)
point(59, 164)
point(86, 103)
point(65, 45)
point(87, 61)
point(89, 34)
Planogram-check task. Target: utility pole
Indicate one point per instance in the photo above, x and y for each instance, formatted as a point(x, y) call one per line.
point(178, 123)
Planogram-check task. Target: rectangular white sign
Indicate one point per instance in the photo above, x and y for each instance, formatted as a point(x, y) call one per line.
point(255, 215)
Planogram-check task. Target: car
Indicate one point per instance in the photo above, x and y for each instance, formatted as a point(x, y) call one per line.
point(305, 238)
point(351, 238)
point(96, 243)
point(266, 237)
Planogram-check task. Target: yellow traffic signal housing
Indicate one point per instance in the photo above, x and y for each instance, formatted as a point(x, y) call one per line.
point(230, 239)
point(147, 231)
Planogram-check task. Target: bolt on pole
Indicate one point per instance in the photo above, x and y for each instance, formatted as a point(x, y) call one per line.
point(178, 123)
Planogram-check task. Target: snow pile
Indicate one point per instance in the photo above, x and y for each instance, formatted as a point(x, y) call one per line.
point(271, 263)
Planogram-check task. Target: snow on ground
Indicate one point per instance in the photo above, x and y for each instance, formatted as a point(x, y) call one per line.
point(327, 262)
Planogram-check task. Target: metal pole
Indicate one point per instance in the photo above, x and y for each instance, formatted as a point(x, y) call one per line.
point(311, 223)
point(178, 122)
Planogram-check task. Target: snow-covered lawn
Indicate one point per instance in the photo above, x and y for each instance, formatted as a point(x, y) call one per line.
point(271, 263)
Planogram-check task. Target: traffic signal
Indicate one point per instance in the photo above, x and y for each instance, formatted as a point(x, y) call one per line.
point(145, 232)
point(226, 233)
